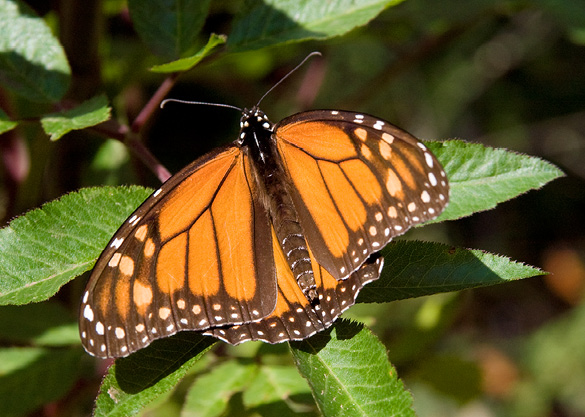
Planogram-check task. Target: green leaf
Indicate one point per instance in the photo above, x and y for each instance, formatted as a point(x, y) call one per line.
point(31, 377)
point(5, 123)
point(209, 395)
point(45, 248)
point(48, 324)
point(269, 22)
point(414, 269)
point(169, 28)
point(32, 61)
point(134, 382)
point(279, 390)
point(186, 64)
point(349, 374)
point(87, 114)
point(481, 177)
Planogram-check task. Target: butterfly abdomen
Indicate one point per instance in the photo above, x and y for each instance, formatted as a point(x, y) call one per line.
point(272, 185)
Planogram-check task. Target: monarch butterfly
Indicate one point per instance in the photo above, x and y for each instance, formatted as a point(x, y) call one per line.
point(269, 238)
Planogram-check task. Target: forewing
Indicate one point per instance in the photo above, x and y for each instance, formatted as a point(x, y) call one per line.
point(193, 256)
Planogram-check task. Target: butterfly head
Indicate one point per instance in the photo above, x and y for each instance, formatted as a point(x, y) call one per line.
point(253, 121)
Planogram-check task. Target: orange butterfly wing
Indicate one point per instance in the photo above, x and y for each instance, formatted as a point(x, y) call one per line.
point(192, 256)
point(357, 182)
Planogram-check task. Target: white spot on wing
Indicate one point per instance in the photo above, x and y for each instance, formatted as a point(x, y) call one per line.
point(432, 179)
point(429, 159)
point(117, 242)
point(88, 313)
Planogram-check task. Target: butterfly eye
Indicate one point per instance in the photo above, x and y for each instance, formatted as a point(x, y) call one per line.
point(270, 238)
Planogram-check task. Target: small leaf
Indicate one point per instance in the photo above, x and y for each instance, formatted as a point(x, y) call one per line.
point(279, 390)
point(135, 381)
point(209, 395)
point(31, 377)
point(87, 114)
point(349, 374)
point(47, 324)
point(45, 248)
point(32, 61)
point(169, 28)
point(186, 64)
point(270, 22)
point(481, 177)
point(5, 123)
point(414, 269)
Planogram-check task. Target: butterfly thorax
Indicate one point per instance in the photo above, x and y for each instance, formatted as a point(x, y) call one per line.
point(256, 134)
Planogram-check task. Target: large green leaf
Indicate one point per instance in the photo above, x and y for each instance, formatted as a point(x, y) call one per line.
point(481, 177)
point(47, 247)
point(414, 269)
point(31, 377)
point(349, 374)
point(32, 61)
point(268, 22)
point(169, 28)
point(136, 381)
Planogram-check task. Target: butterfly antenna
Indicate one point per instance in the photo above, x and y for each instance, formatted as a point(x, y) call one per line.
point(202, 103)
point(311, 55)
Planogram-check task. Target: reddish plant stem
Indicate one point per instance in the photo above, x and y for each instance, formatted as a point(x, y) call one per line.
point(132, 136)
point(114, 130)
point(154, 102)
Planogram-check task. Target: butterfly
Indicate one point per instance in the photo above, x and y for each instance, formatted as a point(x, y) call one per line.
point(268, 238)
